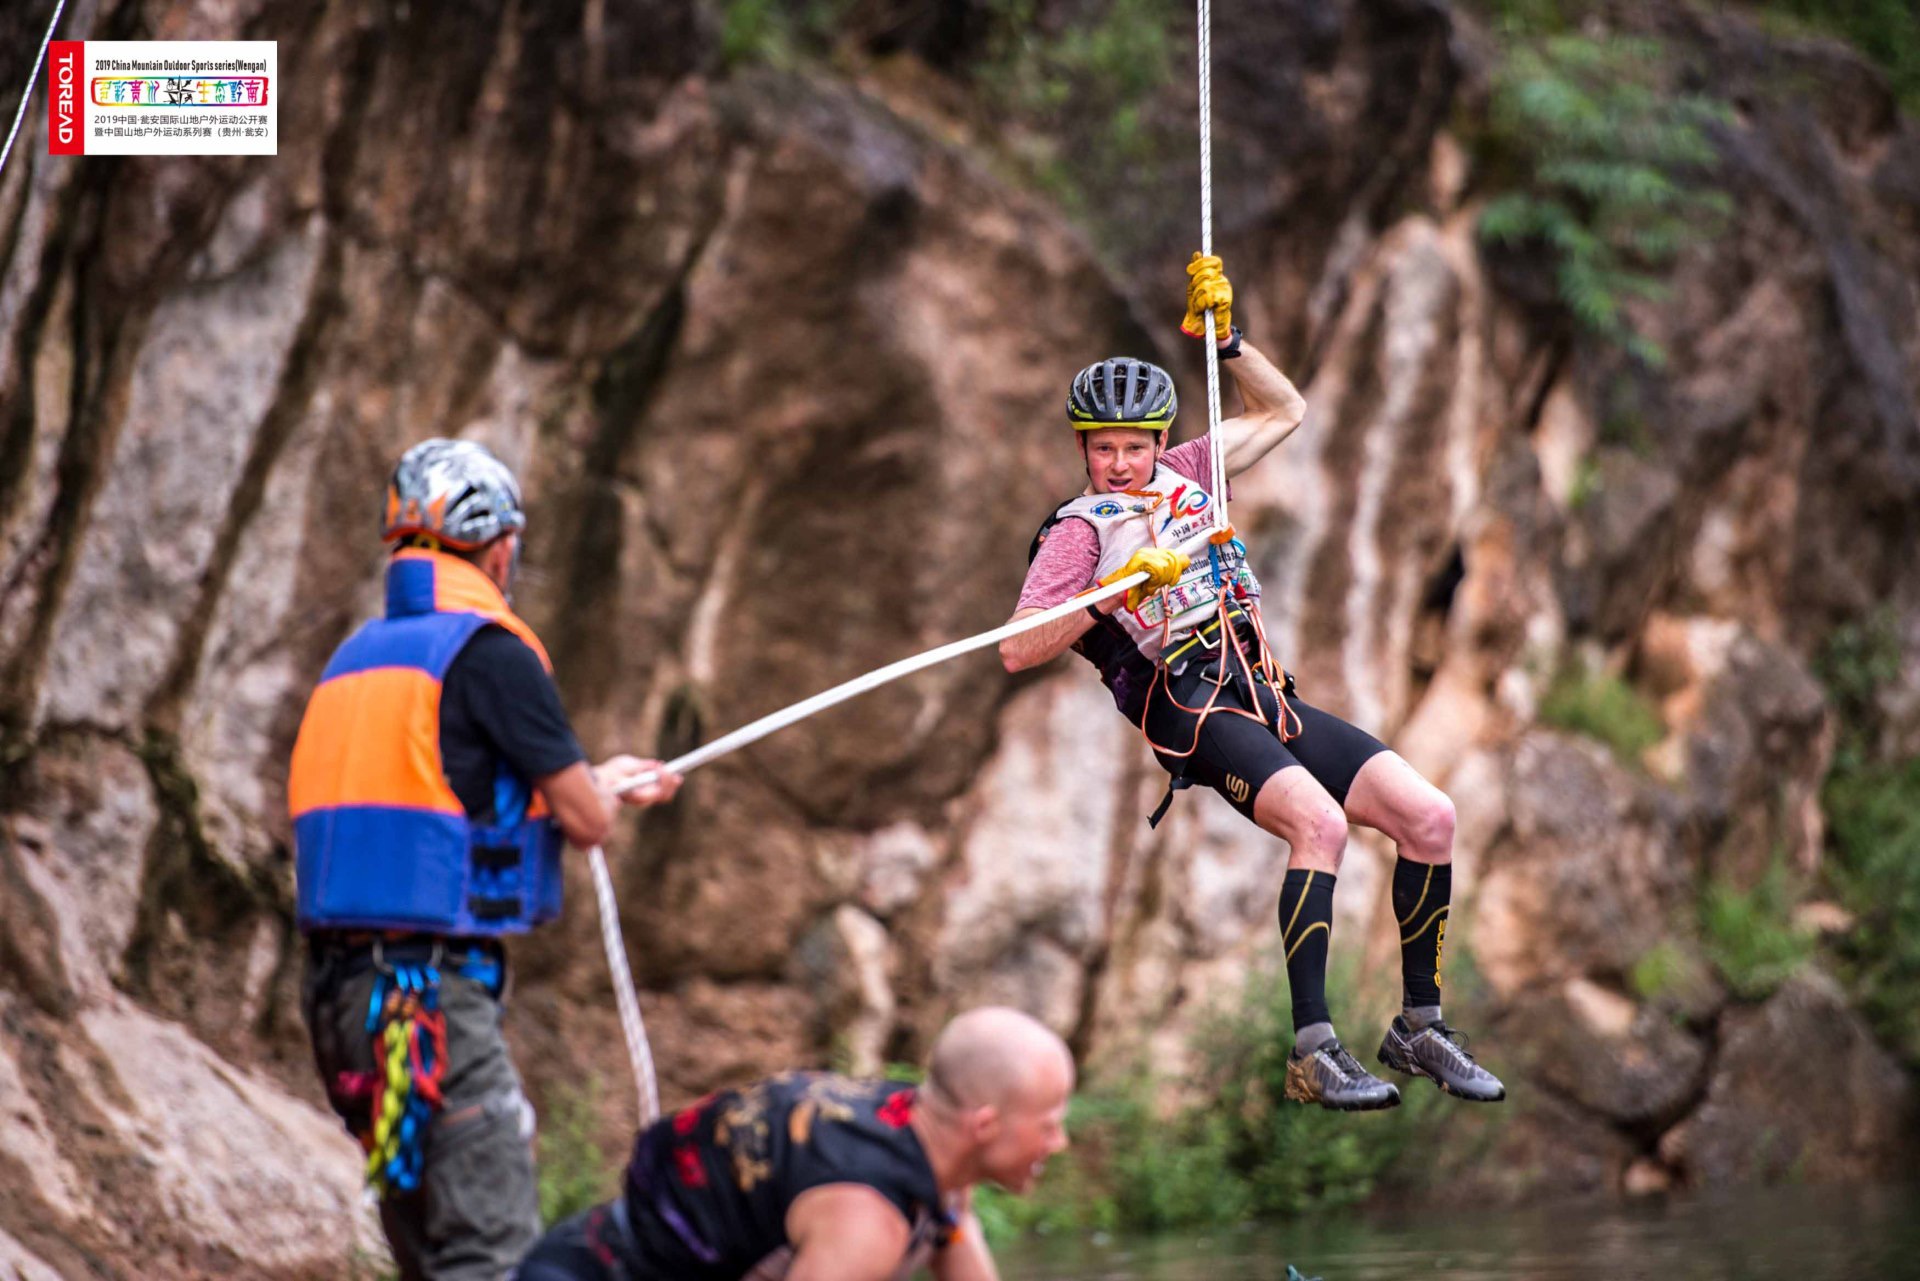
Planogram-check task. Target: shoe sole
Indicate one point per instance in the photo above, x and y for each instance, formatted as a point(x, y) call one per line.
point(1414, 1069)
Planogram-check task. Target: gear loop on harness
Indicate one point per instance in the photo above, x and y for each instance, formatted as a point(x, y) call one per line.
point(408, 1030)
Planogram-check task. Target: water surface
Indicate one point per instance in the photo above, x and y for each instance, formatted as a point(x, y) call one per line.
point(1779, 1234)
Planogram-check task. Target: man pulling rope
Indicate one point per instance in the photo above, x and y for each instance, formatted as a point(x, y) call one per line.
point(433, 781)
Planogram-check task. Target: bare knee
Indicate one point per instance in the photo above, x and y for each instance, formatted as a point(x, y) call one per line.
point(1429, 834)
point(1319, 835)
point(1295, 808)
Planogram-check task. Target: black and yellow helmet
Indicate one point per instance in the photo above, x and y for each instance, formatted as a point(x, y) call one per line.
point(1122, 392)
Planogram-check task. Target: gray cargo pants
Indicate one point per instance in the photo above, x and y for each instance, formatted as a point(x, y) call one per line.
point(477, 1209)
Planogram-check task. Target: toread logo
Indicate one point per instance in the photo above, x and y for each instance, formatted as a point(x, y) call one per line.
point(1108, 508)
point(63, 104)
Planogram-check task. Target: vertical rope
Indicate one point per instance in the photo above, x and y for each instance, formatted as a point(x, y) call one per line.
point(638, 1050)
point(1206, 247)
point(33, 75)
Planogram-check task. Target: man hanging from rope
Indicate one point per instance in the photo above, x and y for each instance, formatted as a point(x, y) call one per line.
point(433, 778)
point(816, 1177)
point(1216, 707)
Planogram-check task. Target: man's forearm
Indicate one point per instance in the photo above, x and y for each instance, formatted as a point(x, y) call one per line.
point(1030, 649)
point(1274, 407)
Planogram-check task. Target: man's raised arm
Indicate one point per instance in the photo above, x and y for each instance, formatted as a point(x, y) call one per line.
point(1274, 407)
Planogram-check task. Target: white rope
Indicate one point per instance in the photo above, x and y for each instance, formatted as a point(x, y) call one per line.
point(1216, 446)
point(33, 74)
point(639, 1053)
point(757, 730)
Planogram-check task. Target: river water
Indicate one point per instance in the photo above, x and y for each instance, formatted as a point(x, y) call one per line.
point(1779, 1234)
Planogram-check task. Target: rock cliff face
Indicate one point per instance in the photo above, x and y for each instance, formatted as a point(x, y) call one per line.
point(782, 373)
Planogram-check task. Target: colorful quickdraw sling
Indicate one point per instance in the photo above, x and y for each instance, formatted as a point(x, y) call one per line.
point(409, 1032)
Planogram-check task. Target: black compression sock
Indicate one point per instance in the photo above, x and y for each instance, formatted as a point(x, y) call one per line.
point(1306, 926)
point(1421, 895)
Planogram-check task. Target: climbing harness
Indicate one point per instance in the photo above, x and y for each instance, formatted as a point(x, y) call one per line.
point(33, 75)
point(409, 1033)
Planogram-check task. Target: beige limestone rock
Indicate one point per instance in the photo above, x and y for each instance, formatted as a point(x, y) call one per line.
point(894, 865)
point(1585, 880)
point(16, 1264)
point(1625, 1062)
point(87, 863)
point(215, 1137)
point(28, 1138)
point(1799, 1090)
point(1023, 906)
point(846, 962)
point(214, 354)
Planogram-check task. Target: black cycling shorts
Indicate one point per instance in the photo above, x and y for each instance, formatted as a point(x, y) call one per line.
point(1236, 755)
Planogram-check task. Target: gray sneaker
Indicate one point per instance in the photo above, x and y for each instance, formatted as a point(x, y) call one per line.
point(1333, 1078)
point(1439, 1053)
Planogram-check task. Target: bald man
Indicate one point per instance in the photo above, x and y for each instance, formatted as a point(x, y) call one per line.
point(816, 1177)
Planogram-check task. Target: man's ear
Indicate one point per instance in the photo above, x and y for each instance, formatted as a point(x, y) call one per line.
point(983, 1123)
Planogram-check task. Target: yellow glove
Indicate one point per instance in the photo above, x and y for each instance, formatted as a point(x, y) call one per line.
point(1207, 286)
point(1162, 565)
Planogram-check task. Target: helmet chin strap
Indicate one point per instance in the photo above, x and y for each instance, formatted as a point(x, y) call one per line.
point(513, 569)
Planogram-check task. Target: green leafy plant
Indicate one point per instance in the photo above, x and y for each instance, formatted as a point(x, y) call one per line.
point(1887, 31)
point(1872, 801)
point(1086, 106)
point(1749, 934)
point(574, 1173)
point(1610, 170)
point(777, 32)
point(1859, 659)
point(1873, 812)
point(1236, 1149)
point(1660, 970)
point(1604, 707)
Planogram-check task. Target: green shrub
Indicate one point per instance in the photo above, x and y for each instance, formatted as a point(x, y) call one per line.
point(1660, 971)
point(1859, 659)
point(1887, 31)
point(1750, 936)
point(1089, 108)
point(1295, 1158)
point(1604, 707)
point(777, 32)
point(574, 1173)
point(1873, 812)
point(1608, 168)
point(1237, 1150)
point(1872, 804)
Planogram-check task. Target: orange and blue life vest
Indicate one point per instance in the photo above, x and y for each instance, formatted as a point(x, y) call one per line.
point(381, 841)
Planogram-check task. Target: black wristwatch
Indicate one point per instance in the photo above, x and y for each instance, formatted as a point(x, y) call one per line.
point(1232, 349)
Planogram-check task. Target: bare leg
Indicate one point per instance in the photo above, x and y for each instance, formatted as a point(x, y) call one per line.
point(1295, 808)
point(1388, 794)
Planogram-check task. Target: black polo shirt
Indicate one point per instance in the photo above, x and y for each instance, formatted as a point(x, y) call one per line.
point(499, 705)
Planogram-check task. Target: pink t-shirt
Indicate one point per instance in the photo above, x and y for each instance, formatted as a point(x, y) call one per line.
point(1070, 552)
